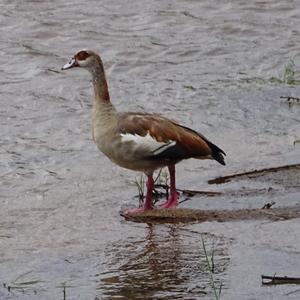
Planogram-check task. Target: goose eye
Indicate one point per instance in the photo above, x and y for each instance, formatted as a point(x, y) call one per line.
point(82, 55)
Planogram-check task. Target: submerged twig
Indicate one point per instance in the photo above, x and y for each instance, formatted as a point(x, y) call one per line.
point(291, 100)
point(272, 280)
point(192, 193)
point(53, 70)
point(268, 205)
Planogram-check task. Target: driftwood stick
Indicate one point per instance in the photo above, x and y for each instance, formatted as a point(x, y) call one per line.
point(272, 280)
point(254, 173)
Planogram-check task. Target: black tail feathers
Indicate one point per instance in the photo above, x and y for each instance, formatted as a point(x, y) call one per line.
point(217, 153)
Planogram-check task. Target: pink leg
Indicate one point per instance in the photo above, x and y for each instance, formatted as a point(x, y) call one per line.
point(150, 187)
point(172, 202)
point(148, 200)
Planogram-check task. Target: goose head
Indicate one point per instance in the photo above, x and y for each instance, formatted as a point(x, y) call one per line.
point(86, 59)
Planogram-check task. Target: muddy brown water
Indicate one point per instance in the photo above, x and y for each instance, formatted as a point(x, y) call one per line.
point(215, 66)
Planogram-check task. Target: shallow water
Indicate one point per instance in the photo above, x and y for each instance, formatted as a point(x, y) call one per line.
point(207, 64)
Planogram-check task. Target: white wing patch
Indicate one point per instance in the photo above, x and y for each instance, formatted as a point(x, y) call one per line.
point(147, 142)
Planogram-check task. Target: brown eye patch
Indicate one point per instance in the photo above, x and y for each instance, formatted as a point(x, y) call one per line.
point(82, 55)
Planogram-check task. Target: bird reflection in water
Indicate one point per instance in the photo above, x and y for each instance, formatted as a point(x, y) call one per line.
point(168, 264)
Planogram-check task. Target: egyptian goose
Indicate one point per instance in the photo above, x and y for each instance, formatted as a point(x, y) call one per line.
point(140, 141)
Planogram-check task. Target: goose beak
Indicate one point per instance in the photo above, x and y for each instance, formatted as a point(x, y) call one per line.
point(71, 64)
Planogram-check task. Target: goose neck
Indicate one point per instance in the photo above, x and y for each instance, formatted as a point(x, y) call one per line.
point(100, 84)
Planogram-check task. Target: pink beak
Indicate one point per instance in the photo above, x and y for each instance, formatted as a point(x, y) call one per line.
point(71, 64)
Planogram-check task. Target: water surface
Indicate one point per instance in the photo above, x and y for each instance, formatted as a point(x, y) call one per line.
point(208, 64)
